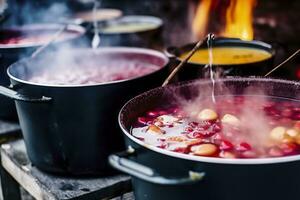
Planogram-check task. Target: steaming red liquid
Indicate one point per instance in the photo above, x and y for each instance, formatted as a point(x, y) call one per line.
point(86, 75)
point(31, 38)
point(173, 129)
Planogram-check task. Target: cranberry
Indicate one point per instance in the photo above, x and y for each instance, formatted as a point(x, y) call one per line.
point(287, 104)
point(268, 105)
point(217, 137)
point(162, 146)
point(193, 124)
point(296, 116)
point(174, 110)
point(249, 154)
point(244, 146)
point(226, 145)
point(285, 121)
point(286, 112)
point(143, 120)
point(273, 122)
point(189, 129)
point(288, 148)
point(297, 125)
point(181, 150)
point(205, 124)
point(217, 127)
point(204, 134)
point(152, 114)
point(275, 152)
point(162, 112)
point(239, 100)
point(296, 109)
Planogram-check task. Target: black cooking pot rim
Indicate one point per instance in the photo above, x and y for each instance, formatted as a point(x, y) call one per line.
point(237, 43)
point(106, 50)
point(71, 27)
point(133, 18)
point(235, 161)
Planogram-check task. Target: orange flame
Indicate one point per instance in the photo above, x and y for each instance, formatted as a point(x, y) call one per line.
point(201, 19)
point(238, 16)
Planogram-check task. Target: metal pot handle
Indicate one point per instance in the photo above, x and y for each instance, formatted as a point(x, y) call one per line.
point(168, 52)
point(122, 163)
point(19, 97)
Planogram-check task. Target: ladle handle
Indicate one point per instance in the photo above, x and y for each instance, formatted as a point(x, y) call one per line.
point(20, 97)
point(121, 162)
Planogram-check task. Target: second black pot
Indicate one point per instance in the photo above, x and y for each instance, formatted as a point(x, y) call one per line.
point(196, 70)
point(72, 129)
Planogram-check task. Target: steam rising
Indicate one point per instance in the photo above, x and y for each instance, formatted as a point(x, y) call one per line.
point(254, 123)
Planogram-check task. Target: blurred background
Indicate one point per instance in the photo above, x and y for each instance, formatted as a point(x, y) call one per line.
point(184, 21)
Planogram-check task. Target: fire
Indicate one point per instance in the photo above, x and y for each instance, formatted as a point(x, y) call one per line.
point(201, 19)
point(238, 18)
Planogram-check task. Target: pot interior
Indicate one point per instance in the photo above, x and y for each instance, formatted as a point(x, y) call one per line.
point(86, 62)
point(240, 51)
point(190, 90)
point(36, 34)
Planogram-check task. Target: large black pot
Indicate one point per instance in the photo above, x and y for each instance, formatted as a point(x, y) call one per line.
point(161, 174)
point(10, 54)
point(71, 129)
point(196, 70)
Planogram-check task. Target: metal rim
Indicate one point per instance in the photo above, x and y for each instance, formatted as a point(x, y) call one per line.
point(106, 50)
point(255, 44)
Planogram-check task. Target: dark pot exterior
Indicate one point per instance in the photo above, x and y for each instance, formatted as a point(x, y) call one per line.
point(8, 57)
point(193, 70)
point(76, 131)
point(222, 180)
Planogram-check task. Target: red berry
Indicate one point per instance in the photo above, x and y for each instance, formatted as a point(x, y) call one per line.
point(162, 112)
point(143, 120)
point(189, 129)
point(296, 116)
point(244, 146)
point(248, 154)
point(287, 112)
point(217, 128)
point(296, 109)
point(226, 145)
point(152, 114)
point(288, 148)
point(193, 124)
point(297, 125)
point(275, 152)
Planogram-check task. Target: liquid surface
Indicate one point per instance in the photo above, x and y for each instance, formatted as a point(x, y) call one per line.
point(86, 75)
point(23, 38)
point(234, 127)
point(129, 27)
point(229, 55)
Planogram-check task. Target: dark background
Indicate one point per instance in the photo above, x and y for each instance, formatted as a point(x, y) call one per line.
point(276, 21)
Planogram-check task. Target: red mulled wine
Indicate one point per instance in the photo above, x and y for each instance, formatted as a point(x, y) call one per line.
point(9, 38)
point(233, 127)
point(87, 75)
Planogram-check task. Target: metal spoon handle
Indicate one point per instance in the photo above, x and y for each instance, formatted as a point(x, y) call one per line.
point(283, 63)
point(52, 39)
point(184, 61)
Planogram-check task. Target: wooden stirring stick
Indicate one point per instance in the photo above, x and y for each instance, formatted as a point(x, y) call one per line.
point(184, 61)
point(284, 62)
